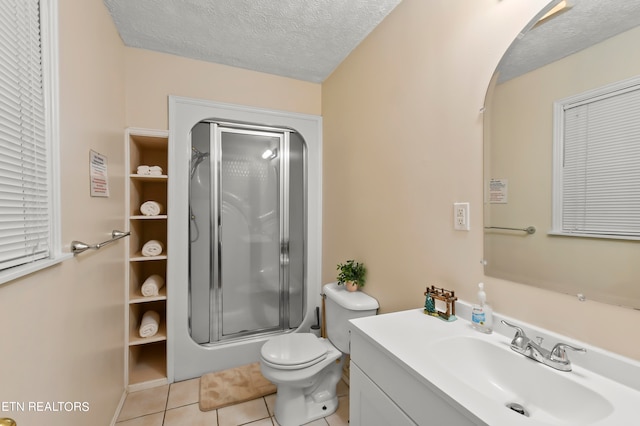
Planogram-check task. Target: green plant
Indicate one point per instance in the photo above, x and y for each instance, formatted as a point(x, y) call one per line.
point(352, 271)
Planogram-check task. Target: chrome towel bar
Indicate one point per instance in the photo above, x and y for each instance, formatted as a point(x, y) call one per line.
point(529, 229)
point(79, 246)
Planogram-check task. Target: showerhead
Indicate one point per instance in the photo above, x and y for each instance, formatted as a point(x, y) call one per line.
point(197, 154)
point(197, 157)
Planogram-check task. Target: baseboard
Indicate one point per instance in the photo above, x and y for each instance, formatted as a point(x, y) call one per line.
point(119, 408)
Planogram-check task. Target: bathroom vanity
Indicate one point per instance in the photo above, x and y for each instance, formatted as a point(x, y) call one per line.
point(409, 368)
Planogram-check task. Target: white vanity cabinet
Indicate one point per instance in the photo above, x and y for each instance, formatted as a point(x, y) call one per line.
point(385, 392)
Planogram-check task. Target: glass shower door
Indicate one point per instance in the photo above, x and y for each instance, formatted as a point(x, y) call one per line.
point(250, 283)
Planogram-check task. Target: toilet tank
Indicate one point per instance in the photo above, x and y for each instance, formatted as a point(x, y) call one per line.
point(341, 306)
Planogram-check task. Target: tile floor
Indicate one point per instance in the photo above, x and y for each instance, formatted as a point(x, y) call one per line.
point(177, 404)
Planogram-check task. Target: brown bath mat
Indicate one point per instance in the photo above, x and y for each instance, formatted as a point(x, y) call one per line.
point(228, 387)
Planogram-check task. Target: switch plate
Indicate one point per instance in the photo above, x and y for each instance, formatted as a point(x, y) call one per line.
point(461, 216)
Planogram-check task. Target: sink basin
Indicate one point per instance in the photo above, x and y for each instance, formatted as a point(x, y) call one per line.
point(492, 369)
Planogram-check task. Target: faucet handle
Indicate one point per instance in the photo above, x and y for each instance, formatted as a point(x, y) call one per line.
point(558, 352)
point(519, 331)
point(520, 339)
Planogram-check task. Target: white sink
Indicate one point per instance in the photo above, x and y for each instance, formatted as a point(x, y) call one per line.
point(494, 370)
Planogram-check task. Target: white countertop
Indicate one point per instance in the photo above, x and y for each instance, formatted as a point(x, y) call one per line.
point(409, 337)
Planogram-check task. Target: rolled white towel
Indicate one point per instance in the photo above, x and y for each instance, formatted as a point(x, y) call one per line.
point(143, 170)
point(149, 324)
point(152, 248)
point(151, 208)
point(152, 285)
point(155, 170)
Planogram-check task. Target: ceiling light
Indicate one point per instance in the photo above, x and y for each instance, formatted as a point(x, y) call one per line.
point(269, 154)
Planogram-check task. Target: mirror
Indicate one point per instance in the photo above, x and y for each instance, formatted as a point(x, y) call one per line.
point(588, 45)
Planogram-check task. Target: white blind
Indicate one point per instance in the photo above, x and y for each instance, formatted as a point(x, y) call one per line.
point(24, 198)
point(601, 168)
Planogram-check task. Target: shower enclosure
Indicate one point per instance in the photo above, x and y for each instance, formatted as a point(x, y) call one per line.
point(244, 232)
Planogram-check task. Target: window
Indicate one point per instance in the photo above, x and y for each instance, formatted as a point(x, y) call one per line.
point(597, 163)
point(29, 228)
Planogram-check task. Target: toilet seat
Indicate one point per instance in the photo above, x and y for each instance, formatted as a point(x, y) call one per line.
point(293, 351)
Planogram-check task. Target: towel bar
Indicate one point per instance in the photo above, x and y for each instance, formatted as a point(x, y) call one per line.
point(529, 229)
point(79, 246)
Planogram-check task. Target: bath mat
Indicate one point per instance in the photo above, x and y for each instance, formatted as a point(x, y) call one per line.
point(232, 386)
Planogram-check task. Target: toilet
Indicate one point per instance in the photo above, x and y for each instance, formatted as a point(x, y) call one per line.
point(306, 368)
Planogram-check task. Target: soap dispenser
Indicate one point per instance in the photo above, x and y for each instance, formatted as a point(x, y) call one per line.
point(482, 314)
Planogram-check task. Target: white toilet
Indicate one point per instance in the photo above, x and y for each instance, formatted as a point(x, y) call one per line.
point(305, 368)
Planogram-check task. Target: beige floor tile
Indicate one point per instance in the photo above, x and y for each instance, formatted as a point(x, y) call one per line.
point(263, 422)
point(319, 422)
point(190, 415)
point(184, 393)
point(341, 416)
point(150, 420)
point(242, 413)
point(271, 404)
point(144, 402)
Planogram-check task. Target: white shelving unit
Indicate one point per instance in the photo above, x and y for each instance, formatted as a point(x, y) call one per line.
point(145, 357)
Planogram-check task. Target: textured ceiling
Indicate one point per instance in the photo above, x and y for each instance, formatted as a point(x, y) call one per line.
point(587, 22)
point(301, 39)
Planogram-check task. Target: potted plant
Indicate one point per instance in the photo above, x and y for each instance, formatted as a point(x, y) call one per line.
point(351, 274)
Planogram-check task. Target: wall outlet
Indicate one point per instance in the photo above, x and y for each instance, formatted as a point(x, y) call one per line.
point(461, 216)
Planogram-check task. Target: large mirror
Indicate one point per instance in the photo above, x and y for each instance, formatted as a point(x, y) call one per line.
point(589, 44)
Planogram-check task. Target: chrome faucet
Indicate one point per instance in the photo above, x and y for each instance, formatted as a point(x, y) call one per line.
point(556, 358)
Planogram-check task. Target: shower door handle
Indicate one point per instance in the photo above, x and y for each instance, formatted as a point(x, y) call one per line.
point(284, 254)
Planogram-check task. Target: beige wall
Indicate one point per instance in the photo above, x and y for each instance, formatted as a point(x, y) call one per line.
point(62, 328)
point(403, 142)
point(522, 152)
point(151, 77)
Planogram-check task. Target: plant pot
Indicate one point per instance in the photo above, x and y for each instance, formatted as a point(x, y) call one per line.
point(351, 286)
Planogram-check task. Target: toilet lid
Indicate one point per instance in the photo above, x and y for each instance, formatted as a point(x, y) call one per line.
point(294, 350)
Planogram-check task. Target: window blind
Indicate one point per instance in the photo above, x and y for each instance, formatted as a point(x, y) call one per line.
point(24, 193)
point(601, 165)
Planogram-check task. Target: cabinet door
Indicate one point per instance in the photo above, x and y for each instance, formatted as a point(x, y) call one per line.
point(369, 406)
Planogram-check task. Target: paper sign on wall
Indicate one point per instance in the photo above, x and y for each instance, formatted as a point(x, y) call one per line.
point(98, 175)
point(498, 191)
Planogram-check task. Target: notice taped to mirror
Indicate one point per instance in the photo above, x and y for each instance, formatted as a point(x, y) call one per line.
point(498, 191)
